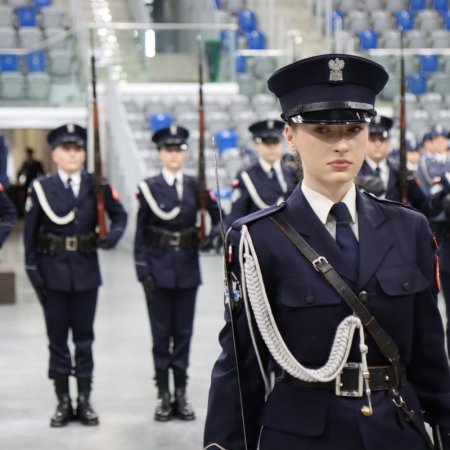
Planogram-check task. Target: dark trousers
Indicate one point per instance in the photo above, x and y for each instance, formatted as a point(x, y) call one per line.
point(74, 311)
point(171, 313)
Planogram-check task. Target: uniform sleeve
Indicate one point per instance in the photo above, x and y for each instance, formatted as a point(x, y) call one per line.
point(213, 208)
point(224, 425)
point(33, 219)
point(143, 268)
point(116, 214)
point(428, 370)
point(8, 215)
point(240, 202)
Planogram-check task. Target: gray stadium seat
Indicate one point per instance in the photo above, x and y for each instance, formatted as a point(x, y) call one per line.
point(431, 102)
point(238, 103)
point(442, 117)
point(244, 119)
point(29, 36)
point(440, 38)
point(248, 85)
point(416, 39)
point(60, 62)
point(391, 89)
point(382, 20)
point(155, 105)
point(263, 66)
point(56, 34)
point(17, 3)
point(263, 104)
point(188, 120)
point(38, 85)
point(357, 21)
point(387, 61)
point(428, 20)
point(371, 5)
point(233, 5)
point(348, 5)
point(216, 121)
point(12, 86)
point(8, 37)
point(396, 5)
point(419, 122)
point(440, 82)
point(390, 39)
point(6, 16)
point(50, 17)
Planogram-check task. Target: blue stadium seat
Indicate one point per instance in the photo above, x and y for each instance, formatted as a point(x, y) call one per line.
point(225, 139)
point(417, 83)
point(9, 63)
point(368, 39)
point(335, 16)
point(26, 16)
point(36, 62)
point(42, 3)
point(241, 64)
point(246, 20)
point(446, 17)
point(416, 5)
point(405, 19)
point(160, 120)
point(440, 5)
point(256, 40)
point(428, 63)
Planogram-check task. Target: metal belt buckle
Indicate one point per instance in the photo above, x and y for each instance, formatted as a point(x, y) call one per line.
point(318, 262)
point(175, 239)
point(340, 382)
point(71, 244)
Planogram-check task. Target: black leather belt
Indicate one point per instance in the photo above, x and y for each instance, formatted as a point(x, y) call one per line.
point(160, 237)
point(52, 244)
point(350, 382)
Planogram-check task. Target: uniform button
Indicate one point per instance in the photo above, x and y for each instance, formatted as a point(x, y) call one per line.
point(406, 286)
point(363, 296)
point(309, 299)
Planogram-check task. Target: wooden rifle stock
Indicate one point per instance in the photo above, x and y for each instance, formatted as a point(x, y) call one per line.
point(201, 146)
point(98, 170)
point(402, 166)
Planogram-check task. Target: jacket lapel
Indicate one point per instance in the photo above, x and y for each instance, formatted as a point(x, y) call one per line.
point(374, 238)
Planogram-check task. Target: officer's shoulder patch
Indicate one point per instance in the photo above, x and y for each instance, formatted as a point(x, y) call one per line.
point(114, 193)
point(253, 217)
point(235, 183)
point(1, 187)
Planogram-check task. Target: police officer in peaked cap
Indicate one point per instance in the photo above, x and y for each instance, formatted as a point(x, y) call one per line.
point(268, 180)
point(62, 264)
point(355, 393)
point(381, 177)
point(167, 264)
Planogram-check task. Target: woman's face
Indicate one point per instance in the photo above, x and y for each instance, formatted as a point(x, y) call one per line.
point(331, 154)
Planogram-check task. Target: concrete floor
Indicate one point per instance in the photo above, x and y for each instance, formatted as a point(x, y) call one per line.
point(123, 394)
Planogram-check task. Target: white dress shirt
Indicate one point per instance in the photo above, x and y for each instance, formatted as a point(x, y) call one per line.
point(170, 178)
point(277, 167)
point(75, 181)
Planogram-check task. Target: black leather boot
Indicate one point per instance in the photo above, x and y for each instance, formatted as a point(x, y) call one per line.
point(85, 412)
point(64, 411)
point(163, 411)
point(181, 406)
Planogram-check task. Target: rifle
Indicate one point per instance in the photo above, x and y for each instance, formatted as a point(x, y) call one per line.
point(98, 169)
point(402, 166)
point(201, 146)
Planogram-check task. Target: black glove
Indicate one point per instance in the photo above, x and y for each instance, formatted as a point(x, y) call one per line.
point(41, 292)
point(103, 242)
point(149, 287)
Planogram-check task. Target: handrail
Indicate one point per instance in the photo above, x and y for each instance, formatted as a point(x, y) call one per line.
point(409, 51)
point(163, 26)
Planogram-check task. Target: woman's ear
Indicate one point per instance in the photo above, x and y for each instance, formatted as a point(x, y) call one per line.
point(290, 138)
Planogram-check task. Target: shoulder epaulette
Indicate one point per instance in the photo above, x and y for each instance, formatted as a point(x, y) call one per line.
point(386, 201)
point(258, 215)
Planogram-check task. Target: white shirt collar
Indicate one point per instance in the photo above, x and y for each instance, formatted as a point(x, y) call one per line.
point(321, 205)
point(75, 177)
point(373, 165)
point(266, 166)
point(170, 177)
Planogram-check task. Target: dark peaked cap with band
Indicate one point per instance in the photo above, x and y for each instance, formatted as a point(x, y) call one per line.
point(332, 88)
point(67, 134)
point(267, 129)
point(380, 126)
point(171, 136)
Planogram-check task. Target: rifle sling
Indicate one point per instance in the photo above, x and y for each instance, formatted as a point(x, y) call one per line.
point(385, 343)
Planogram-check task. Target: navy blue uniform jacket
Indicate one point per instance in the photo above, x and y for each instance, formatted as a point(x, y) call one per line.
point(8, 215)
point(170, 267)
point(243, 204)
point(69, 271)
point(396, 269)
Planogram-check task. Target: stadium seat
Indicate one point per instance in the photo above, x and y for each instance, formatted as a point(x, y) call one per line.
point(440, 38)
point(8, 37)
point(235, 5)
point(442, 118)
point(416, 39)
point(59, 40)
point(26, 16)
point(29, 36)
point(263, 66)
point(335, 16)
point(9, 63)
point(382, 20)
point(368, 39)
point(446, 17)
point(217, 120)
point(263, 104)
point(372, 5)
point(387, 61)
point(238, 103)
point(225, 139)
point(390, 39)
point(256, 40)
point(428, 20)
point(12, 85)
point(60, 62)
point(38, 85)
point(6, 16)
point(246, 19)
point(396, 5)
point(440, 5)
point(51, 17)
point(416, 5)
point(391, 89)
point(41, 3)
point(35, 62)
point(160, 120)
point(428, 63)
point(430, 102)
point(440, 82)
point(348, 5)
point(404, 19)
point(416, 83)
point(155, 105)
point(357, 21)
point(419, 121)
point(241, 64)
point(18, 3)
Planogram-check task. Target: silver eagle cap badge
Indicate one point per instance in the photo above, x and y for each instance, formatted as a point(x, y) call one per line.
point(336, 68)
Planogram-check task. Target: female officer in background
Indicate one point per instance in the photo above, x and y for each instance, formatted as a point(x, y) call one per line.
point(167, 264)
point(341, 396)
point(62, 264)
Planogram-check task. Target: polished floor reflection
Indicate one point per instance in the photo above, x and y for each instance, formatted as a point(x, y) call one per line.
point(123, 393)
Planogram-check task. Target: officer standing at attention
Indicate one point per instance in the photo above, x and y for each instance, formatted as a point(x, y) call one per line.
point(377, 166)
point(167, 265)
point(8, 215)
point(268, 180)
point(355, 365)
point(62, 264)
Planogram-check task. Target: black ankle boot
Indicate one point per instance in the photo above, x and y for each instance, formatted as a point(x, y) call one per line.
point(85, 412)
point(163, 411)
point(181, 406)
point(64, 411)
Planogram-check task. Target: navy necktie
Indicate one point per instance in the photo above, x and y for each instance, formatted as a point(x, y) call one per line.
point(345, 237)
point(70, 191)
point(175, 190)
point(378, 171)
point(274, 177)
